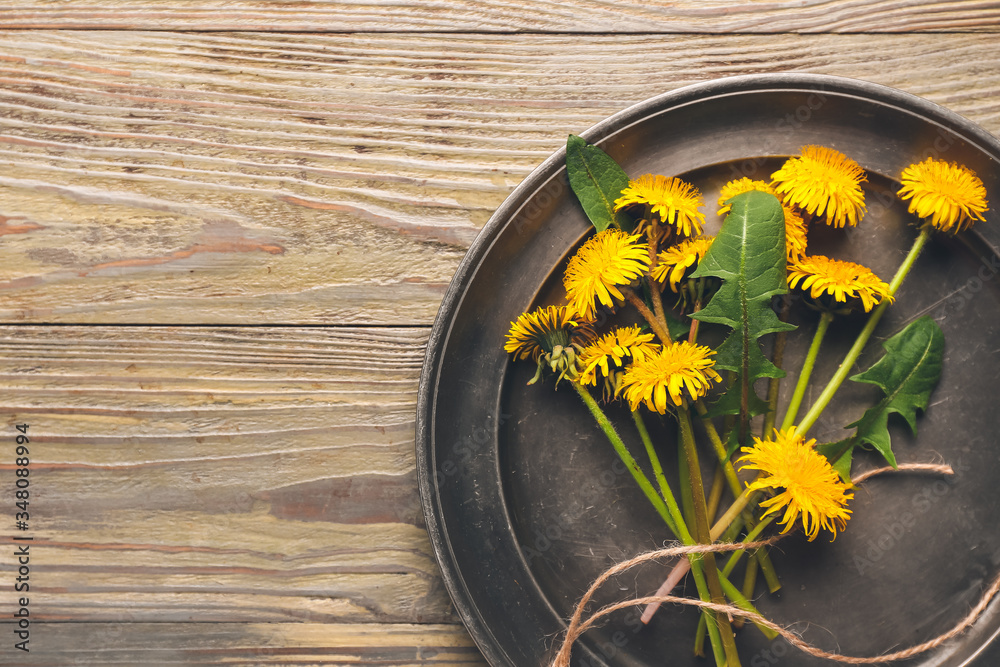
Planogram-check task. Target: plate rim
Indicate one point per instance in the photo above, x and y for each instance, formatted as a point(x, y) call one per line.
point(451, 302)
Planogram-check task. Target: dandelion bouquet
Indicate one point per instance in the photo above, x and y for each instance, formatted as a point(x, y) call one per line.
point(689, 330)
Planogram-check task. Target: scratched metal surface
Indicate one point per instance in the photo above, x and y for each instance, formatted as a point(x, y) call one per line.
point(539, 494)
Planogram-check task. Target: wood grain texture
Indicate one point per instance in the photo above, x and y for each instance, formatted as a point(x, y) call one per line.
point(693, 16)
point(220, 475)
point(298, 644)
point(309, 179)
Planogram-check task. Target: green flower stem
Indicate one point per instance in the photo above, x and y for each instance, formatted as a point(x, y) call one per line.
point(694, 561)
point(659, 328)
point(654, 460)
point(657, 298)
point(732, 533)
point(693, 332)
point(770, 574)
point(807, 367)
point(687, 497)
point(778, 359)
point(699, 636)
point(715, 495)
point(703, 535)
point(751, 536)
point(767, 567)
point(763, 559)
point(626, 457)
point(714, 634)
point(696, 290)
point(671, 515)
point(750, 577)
point(720, 449)
point(852, 355)
point(654, 289)
point(729, 421)
point(740, 599)
point(733, 513)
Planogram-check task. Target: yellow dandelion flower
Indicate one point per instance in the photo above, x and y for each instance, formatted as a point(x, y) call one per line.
point(795, 226)
point(951, 195)
point(679, 369)
point(795, 233)
point(673, 200)
point(608, 259)
point(823, 182)
point(614, 347)
point(674, 262)
point(811, 486)
point(540, 331)
point(821, 275)
point(738, 187)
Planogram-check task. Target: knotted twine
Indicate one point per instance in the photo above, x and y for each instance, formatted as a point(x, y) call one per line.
point(578, 626)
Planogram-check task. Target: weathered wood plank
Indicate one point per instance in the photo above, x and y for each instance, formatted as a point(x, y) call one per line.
point(283, 179)
point(220, 475)
point(709, 16)
point(299, 644)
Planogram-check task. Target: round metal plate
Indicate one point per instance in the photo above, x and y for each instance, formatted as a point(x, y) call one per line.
point(525, 501)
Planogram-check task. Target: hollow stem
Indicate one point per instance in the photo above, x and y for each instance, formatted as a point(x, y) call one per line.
point(715, 495)
point(750, 577)
point(696, 289)
point(807, 368)
point(699, 636)
point(852, 355)
point(767, 567)
point(671, 516)
point(659, 328)
point(732, 513)
point(654, 288)
point(654, 460)
point(741, 598)
point(703, 535)
point(720, 449)
point(778, 359)
point(751, 536)
point(687, 497)
point(737, 598)
point(695, 563)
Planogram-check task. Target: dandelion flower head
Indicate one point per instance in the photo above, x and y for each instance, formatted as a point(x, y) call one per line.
point(951, 195)
point(538, 332)
point(795, 234)
point(823, 182)
point(606, 261)
point(821, 276)
point(678, 371)
point(674, 201)
point(673, 263)
point(811, 487)
point(612, 349)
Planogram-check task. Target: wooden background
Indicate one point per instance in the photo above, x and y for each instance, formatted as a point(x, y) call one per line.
point(225, 229)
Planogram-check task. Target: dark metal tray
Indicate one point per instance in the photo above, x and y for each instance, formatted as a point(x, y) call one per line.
point(524, 500)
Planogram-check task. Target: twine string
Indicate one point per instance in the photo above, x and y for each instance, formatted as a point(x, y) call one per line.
point(578, 626)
